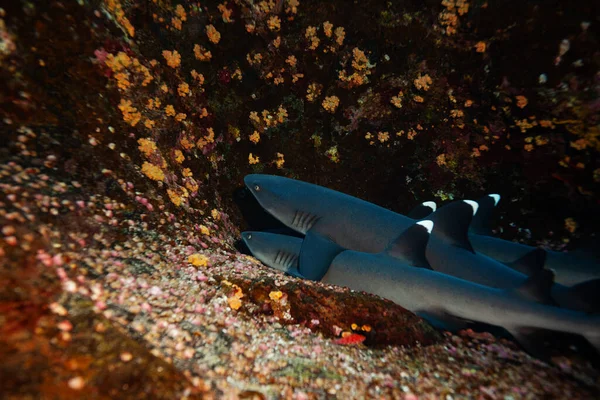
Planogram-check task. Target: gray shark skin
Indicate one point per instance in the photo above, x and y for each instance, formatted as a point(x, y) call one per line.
point(445, 301)
point(354, 223)
point(280, 252)
point(569, 268)
point(449, 251)
point(330, 220)
point(362, 226)
point(432, 294)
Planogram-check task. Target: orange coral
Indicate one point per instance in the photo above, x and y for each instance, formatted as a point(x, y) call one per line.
point(180, 12)
point(327, 28)
point(274, 23)
point(521, 101)
point(423, 82)
point(147, 146)
point(255, 137)
point(225, 12)
point(170, 111)
point(339, 35)
point(397, 100)
point(330, 103)
point(280, 160)
point(115, 8)
point(178, 196)
point(130, 114)
point(313, 91)
point(173, 58)
point(252, 159)
point(198, 260)
point(153, 172)
point(198, 77)
point(213, 35)
point(183, 89)
point(480, 47)
point(201, 53)
point(209, 138)
point(311, 35)
point(179, 157)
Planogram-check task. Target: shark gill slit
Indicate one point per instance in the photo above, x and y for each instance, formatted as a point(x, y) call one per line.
point(296, 216)
point(310, 221)
point(303, 220)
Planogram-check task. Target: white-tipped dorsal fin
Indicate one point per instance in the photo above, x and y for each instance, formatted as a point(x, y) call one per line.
point(427, 224)
point(422, 210)
point(481, 223)
point(452, 222)
point(411, 244)
point(472, 204)
point(496, 198)
point(430, 204)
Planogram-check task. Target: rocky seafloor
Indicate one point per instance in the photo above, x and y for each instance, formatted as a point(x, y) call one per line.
point(126, 126)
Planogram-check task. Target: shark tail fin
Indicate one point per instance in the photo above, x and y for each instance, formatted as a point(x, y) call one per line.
point(531, 262)
point(411, 244)
point(589, 294)
point(481, 223)
point(422, 210)
point(452, 222)
point(316, 255)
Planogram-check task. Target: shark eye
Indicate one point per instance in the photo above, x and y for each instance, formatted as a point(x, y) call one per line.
point(257, 188)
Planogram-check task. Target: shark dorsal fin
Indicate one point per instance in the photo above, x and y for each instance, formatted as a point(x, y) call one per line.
point(422, 210)
point(531, 262)
point(481, 221)
point(452, 222)
point(410, 245)
point(316, 255)
point(537, 287)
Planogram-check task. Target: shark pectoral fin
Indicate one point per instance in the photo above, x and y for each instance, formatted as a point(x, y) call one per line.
point(481, 220)
point(537, 287)
point(422, 210)
point(443, 321)
point(452, 223)
point(531, 262)
point(526, 339)
point(316, 255)
point(589, 294)
point(411, 244)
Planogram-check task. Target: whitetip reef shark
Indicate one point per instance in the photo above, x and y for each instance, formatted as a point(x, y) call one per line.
point(400, 273)
point(449, 251)
point(326, 216)
point(570, 268)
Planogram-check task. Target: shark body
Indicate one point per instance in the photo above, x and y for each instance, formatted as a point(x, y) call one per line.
point(444, 300)
point(333, 222)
